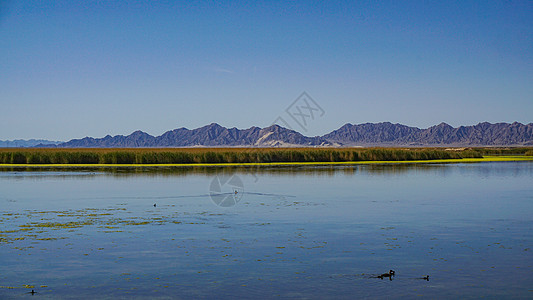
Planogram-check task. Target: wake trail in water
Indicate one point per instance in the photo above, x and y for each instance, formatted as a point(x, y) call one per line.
point(189, 196)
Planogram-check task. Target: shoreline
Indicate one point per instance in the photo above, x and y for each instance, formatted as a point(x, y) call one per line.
point(488, 158)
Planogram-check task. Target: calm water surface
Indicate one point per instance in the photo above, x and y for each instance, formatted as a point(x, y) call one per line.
point(286, 233)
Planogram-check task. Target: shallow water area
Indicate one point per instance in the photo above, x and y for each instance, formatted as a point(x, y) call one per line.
point(309, 232)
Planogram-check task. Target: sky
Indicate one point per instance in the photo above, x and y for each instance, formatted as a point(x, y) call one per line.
point(70, 69)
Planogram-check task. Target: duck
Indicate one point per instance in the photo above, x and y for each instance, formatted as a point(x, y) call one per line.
point(389, 275)
point(426, 278)
point(155, 205)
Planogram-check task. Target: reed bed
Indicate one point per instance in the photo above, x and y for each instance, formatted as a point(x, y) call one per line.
point(221, 155)
point(505, 151)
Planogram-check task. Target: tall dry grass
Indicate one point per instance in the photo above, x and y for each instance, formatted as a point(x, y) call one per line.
point(221, 155)
point(504, 151)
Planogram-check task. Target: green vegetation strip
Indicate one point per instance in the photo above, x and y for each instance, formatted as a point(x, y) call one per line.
point(434, 161)
point(147, 156)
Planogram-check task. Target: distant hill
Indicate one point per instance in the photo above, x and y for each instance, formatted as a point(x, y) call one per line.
point(368, 134)
point(372, 134)
point(388, 134)
point(26, 143)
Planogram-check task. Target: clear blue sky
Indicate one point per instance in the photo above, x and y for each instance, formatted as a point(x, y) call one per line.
point(70, 69)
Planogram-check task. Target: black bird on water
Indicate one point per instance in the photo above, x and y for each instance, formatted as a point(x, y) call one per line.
point(387, 275)
point(32, 292)
point(426, 278)
point(155, 205)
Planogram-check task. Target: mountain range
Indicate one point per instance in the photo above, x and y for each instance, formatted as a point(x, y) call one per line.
point(482, 134)
point(368, 134)
point(26, 143)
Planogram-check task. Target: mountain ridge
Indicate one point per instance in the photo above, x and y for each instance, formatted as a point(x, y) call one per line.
point(20, 143)
point(443, 134)
point(212, 135)
point(365, 134)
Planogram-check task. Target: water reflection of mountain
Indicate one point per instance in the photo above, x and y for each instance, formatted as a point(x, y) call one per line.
point(507, 169)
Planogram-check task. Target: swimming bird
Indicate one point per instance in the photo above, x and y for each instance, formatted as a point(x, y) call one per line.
point(426, 278)
point(155, 205)
point(389, 275)
point(32, 292)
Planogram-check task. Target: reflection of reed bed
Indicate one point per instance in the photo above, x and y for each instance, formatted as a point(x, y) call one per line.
point(223, 155)
point(322, 170)
point(124, 171)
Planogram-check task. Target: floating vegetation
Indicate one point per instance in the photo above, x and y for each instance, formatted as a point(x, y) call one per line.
point(58, 225)
point(51, 222)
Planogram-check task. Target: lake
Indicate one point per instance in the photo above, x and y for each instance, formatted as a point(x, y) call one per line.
point(271, 232)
